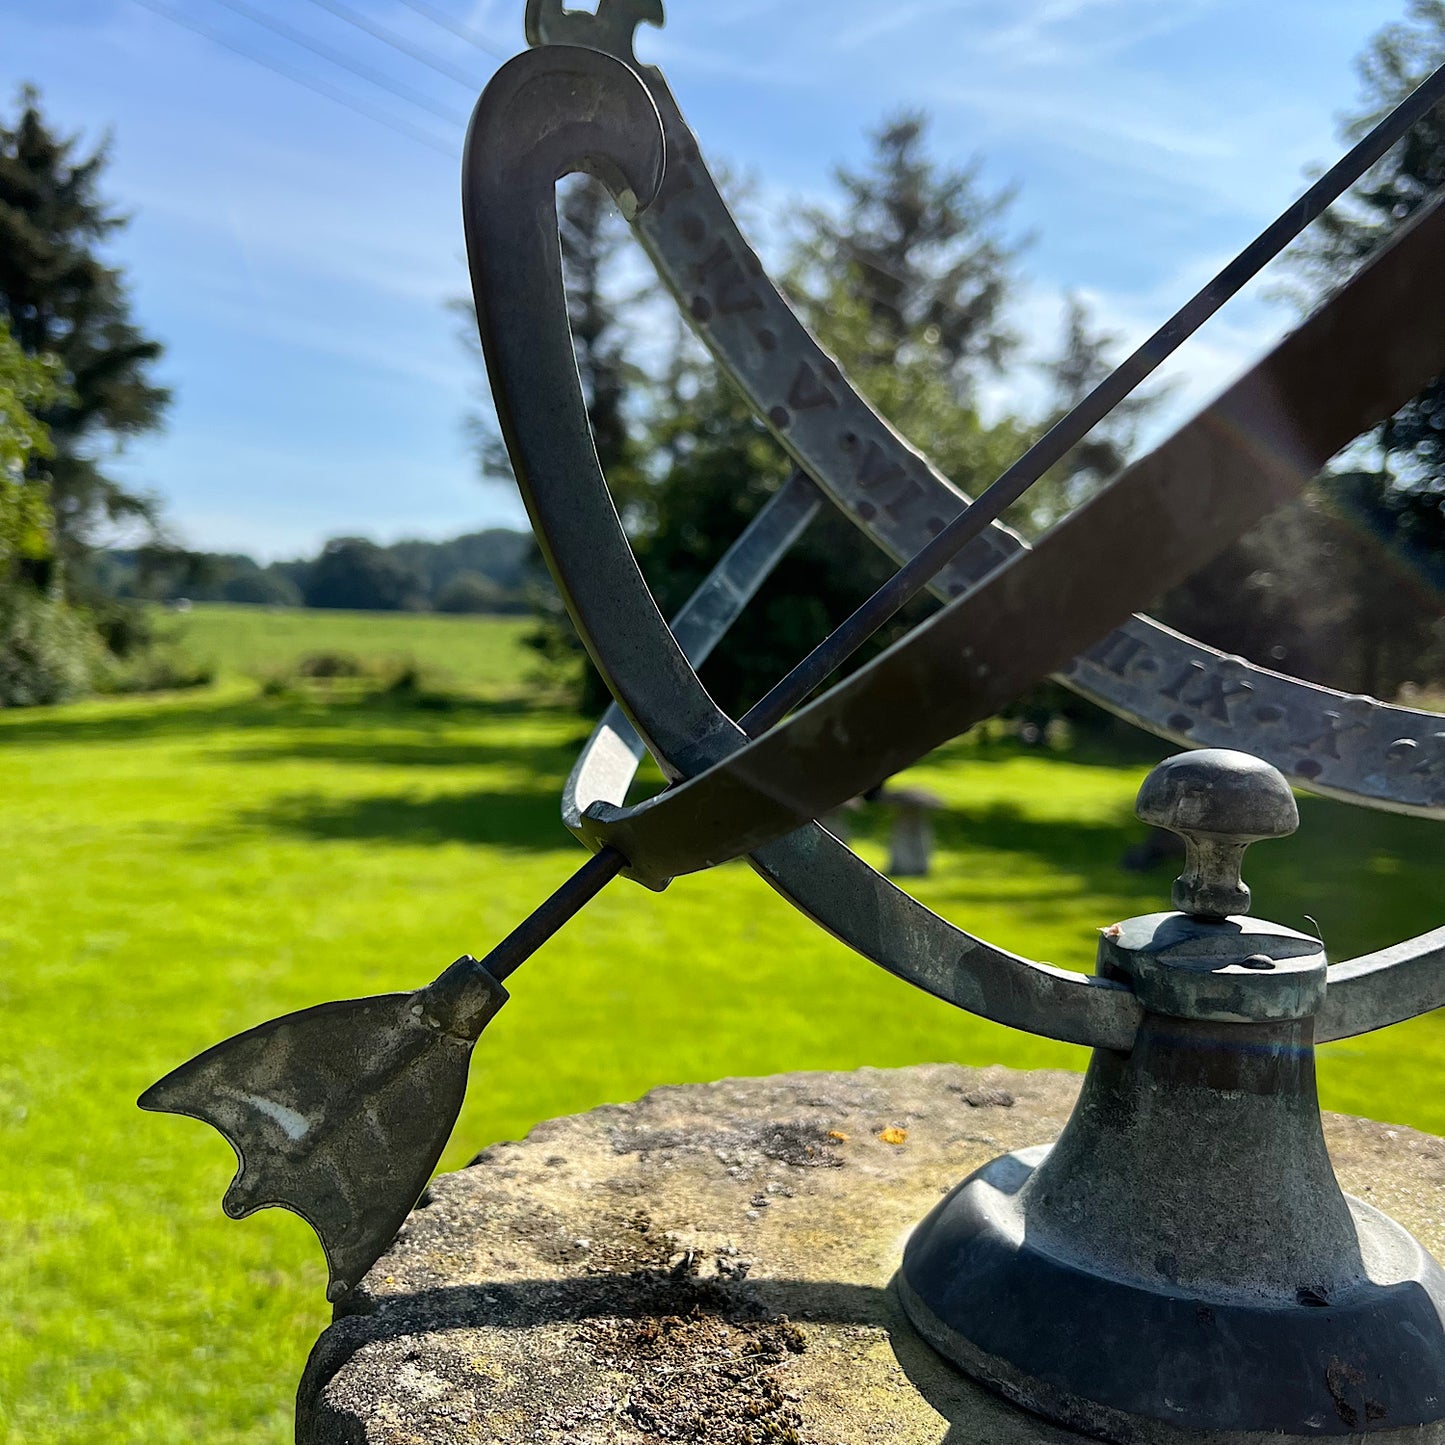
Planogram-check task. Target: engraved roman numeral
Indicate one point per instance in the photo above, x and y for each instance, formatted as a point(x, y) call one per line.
point(1326, 737)
point(676, 181)
point(807, 391)
point(723, 272)
point(878, 475)
point(875, 470)
point(1115, 653)
point(1200, 687)
point(1433, 756)
point(904, 500)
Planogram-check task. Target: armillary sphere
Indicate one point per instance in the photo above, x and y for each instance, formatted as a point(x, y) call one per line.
point(1181, 1264)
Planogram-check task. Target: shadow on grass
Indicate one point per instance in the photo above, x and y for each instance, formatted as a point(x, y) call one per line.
point(186, 715)
point(1113, 747)
point(156, 718)
point(550, 760)
point(1364, 878)
point(1094, 845)
point(525, 819)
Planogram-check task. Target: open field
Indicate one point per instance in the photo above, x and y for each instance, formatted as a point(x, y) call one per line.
point(180, 868)
point(478, 653)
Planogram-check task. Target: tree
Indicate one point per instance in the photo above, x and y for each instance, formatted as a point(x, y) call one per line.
point(1409, 448)
point(259, 586)
point(1319, 593)
point(352, 572)
point(721, 467)
point(922, 250)
point(471, 592)
point(1082, 363)
point(46, 649)
point(1398, 59)
point(499, 554)
point(28, 387)
point(61, 298)
point(905, 285)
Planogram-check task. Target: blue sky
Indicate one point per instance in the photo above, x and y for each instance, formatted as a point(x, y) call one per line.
point(296, 257)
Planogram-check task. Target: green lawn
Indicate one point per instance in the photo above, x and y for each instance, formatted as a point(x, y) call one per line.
point(480, 653)
point(183, 867)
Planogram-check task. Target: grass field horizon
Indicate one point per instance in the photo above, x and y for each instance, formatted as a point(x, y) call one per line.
point(183, 866)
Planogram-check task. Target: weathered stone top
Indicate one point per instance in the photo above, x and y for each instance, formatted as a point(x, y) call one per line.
point(712, 1264)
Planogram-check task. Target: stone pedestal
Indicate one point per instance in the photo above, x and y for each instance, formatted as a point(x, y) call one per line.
point(910, 839)
point(712, 1264)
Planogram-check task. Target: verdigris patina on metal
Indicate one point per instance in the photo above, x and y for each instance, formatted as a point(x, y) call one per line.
point(1182, 1262)
point(330, 1109)
point(1203, 1275)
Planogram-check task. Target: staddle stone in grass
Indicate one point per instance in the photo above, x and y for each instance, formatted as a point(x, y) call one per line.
point(712, 1264)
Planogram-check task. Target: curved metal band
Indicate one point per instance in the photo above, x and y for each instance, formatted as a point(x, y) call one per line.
point(825, 879)
point(1383, 988)
point(1349, 747)
point(511, 238)
point(609, 760)
point(1251, 450)
point(543, 115)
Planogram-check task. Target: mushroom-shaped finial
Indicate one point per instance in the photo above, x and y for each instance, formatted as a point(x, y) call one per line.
point(1219, 802)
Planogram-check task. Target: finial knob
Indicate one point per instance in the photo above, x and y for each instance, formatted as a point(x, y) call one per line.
point(1219, 802)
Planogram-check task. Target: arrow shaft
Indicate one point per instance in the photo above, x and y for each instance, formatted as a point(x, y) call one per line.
point(568, 901)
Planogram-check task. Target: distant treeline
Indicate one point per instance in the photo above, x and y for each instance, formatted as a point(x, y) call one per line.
point(491, 571)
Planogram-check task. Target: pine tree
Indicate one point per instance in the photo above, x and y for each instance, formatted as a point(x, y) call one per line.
point(1084, 360)
point(922, 247)
point(60, 297)
point(47, 650)
point(905, 284)
point(1345, 585)
point(28, 387)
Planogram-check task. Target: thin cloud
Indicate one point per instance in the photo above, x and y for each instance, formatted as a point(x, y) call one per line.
point(1148, 140)
point(1052, 34)
point(876, 23)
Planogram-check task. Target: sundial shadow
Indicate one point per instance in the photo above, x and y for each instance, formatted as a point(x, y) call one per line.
point(969, 1414)
point(1013, 827)
point(973, 1415)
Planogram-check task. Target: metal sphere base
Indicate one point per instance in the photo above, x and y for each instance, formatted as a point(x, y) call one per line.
point(1117, 1359)
point(1182, 1265)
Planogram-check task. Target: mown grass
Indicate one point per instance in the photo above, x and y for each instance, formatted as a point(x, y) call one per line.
point(473, 652)
point(181, 868)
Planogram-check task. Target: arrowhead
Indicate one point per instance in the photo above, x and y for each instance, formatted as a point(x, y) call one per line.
point(339, 1113)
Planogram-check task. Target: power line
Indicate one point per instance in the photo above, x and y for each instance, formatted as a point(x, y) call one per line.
point(401, 43)
point(440, 17)
point(335, 57)
point(298, 77)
